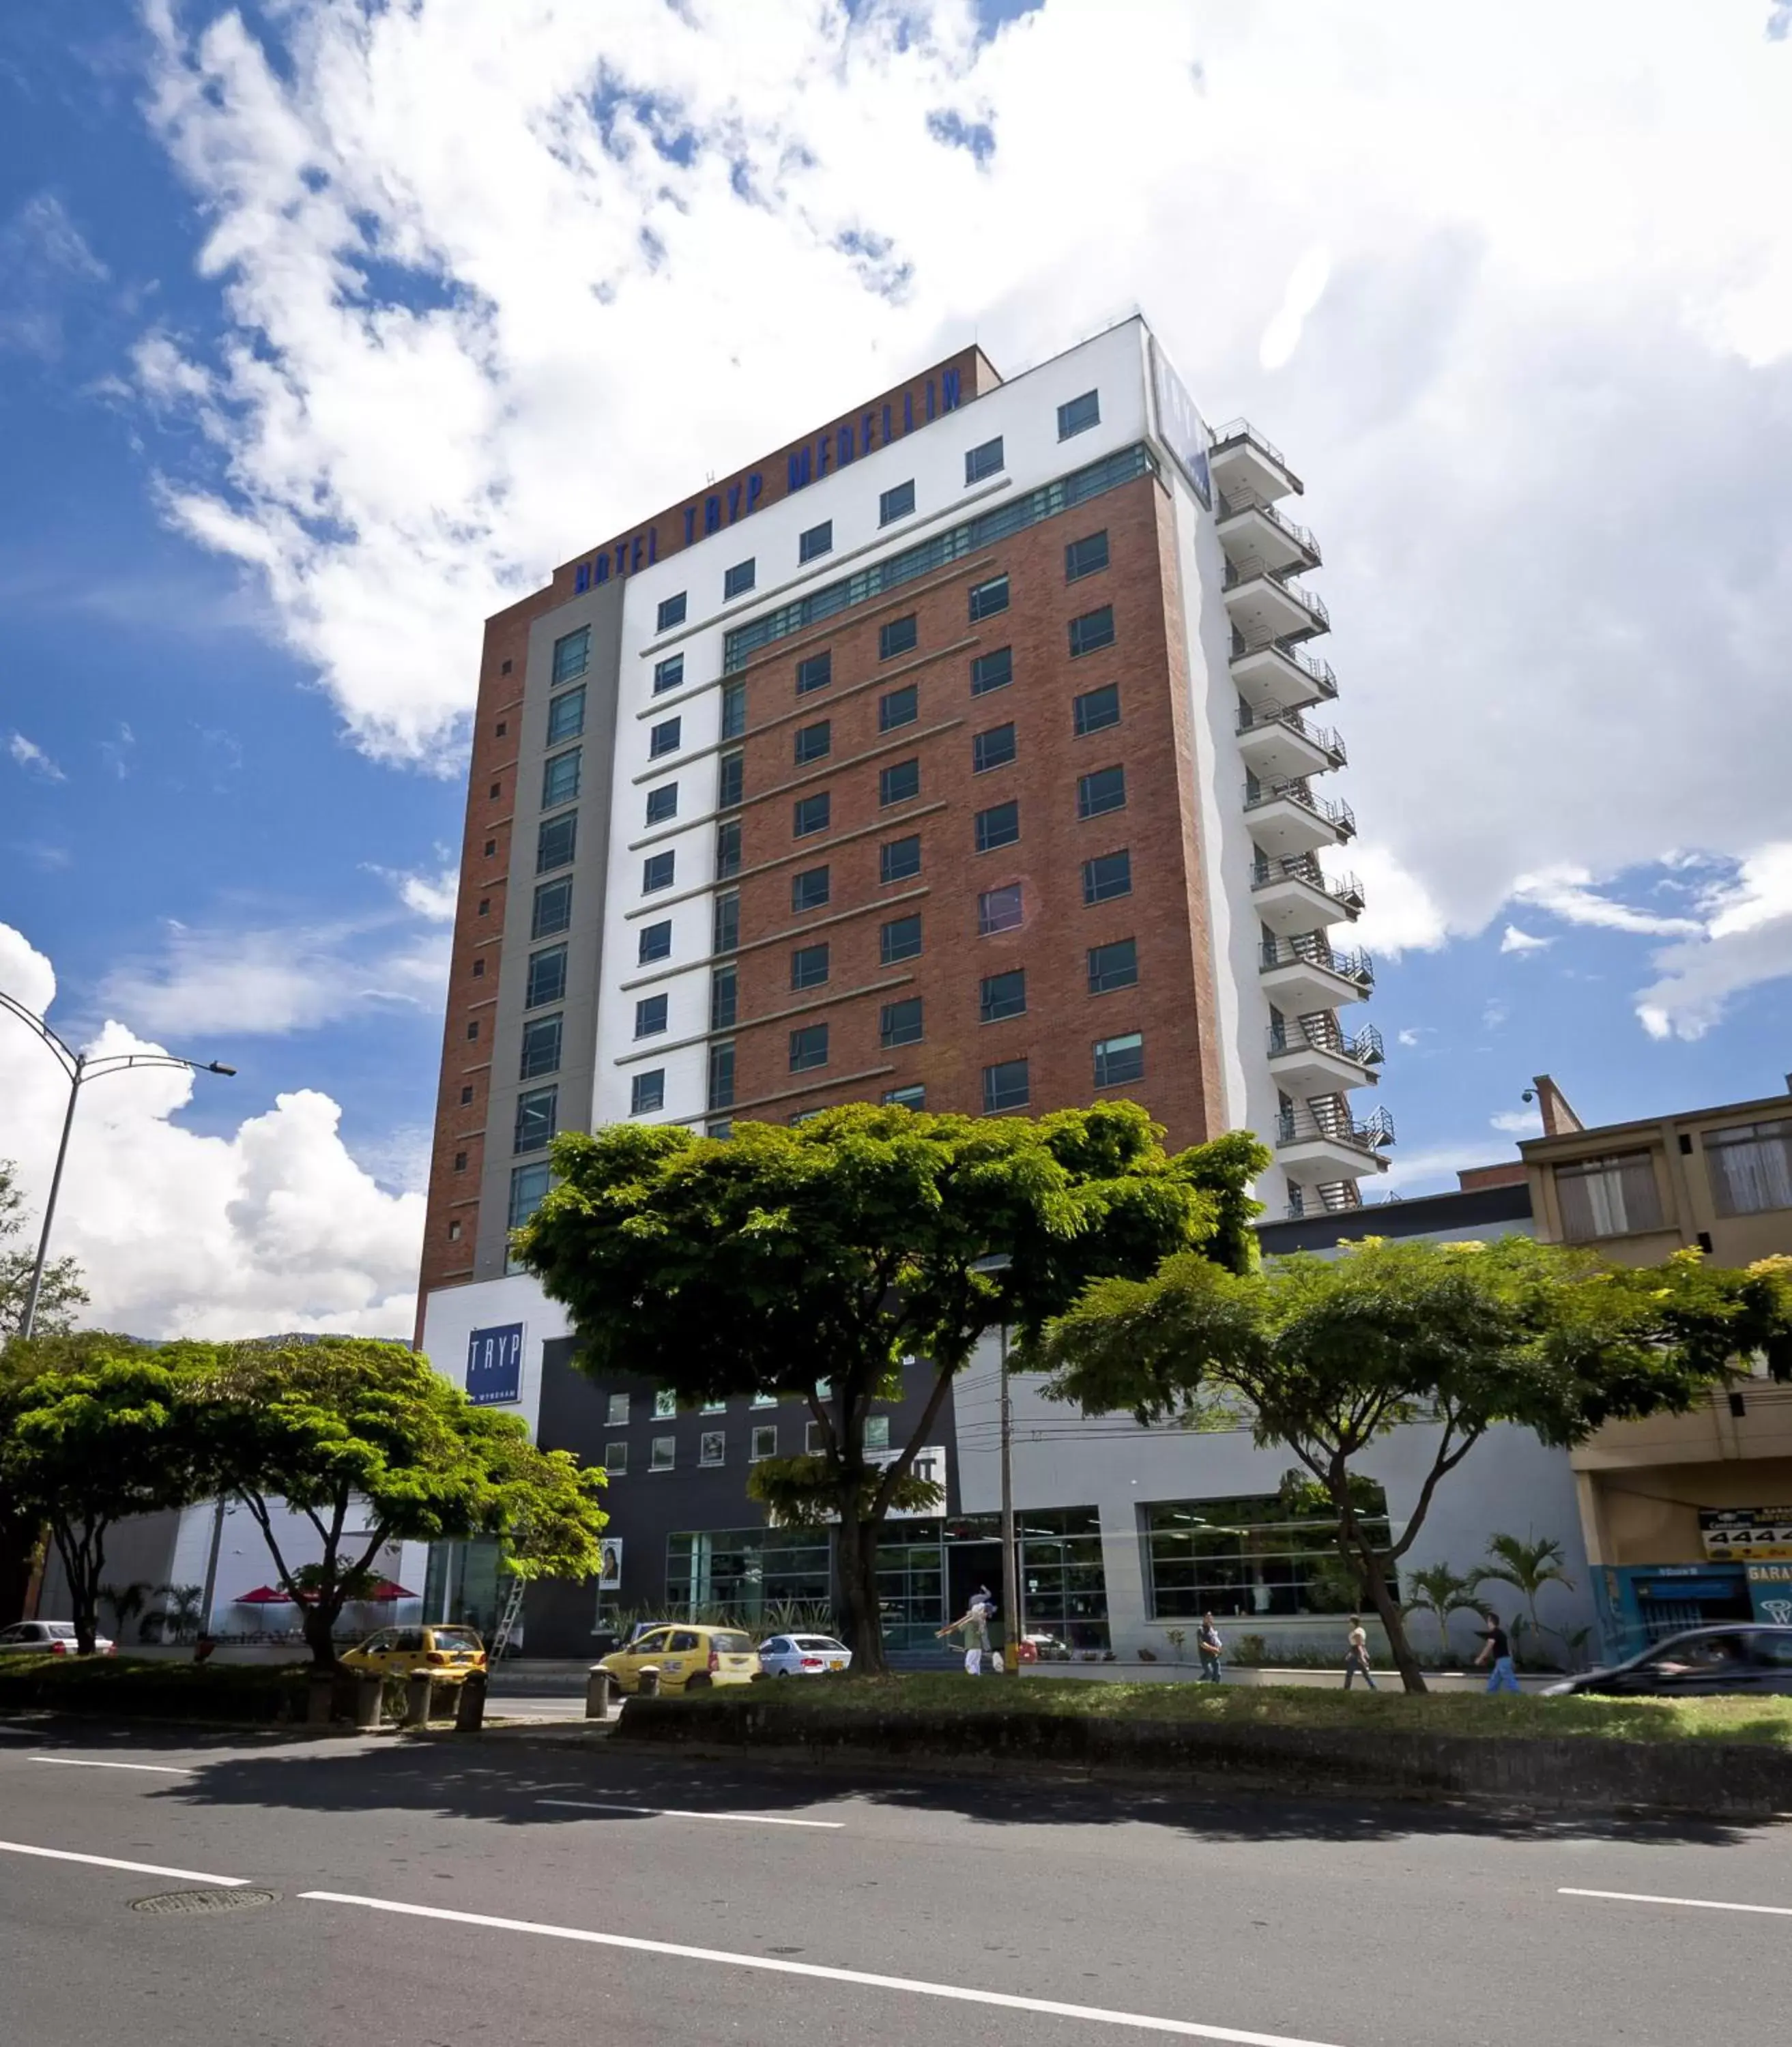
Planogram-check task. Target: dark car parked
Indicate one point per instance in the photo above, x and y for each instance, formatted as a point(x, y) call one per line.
point(1702, 1662)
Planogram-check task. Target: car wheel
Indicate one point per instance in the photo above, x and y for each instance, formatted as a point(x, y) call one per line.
point(698, 1682)
point(781, 1673)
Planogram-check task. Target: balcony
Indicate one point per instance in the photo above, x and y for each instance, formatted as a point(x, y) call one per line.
point(1330, 1198)
point(1242, 460)
point(1315, 1056)
point(1315, 1144)
point(1252, 531)
point(1297, 894)
point(1301, 976)
point(1276, 672)
point(1262, 607)
point(1286, 818)
point(1279, 744)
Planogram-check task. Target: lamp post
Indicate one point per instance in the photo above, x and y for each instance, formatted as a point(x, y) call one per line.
point(1016, 1630)
point(80, 1069)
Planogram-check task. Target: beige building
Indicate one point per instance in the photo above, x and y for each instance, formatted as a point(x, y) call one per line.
point(1687, 1518)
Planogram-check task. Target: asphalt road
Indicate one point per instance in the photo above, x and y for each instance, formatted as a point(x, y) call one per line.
point(452, 1896)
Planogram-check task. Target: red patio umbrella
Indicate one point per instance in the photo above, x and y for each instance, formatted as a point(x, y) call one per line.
point(265, 1596)
point(386, 1590)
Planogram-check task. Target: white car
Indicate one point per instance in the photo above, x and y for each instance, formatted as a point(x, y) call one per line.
point(48, 1638)
point(804, 1656)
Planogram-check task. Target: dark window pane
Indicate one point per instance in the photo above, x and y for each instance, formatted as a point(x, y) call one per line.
point(898, 707)
point(810, 814)
point(572, 656)
point(655, 942)
point(808, 966)
point(809, 890)
point(988, 599)
point(546, 976)
point(555, 842)
point(900, 859)
point(1120, 1060)
point(722, 1077)
point(541, 1048)
point(899, 636)
point(994, 748)
point(808, 1047)
point(724, 998)
point(662, 803)
point(991, 671)
point(647, 1092)
point(1079, 415)
point(725, 930)
point(1108, 875)
point(667, 673)
point(1113, 966)
point(900, 939)
point(738, 580)
point(664, 737)
point(813, 742)
point(727, 849)
point(896, 503)
point(1102, 791)
point(672, 612)
point(984, 460)
point(656, 872)
point(553, 909)
point(1093, 629)
point(559, 778)
point(1005, 1086)
point(998, 825)
point(999, 910)
point(900, 1023)
point(898, 784)
point(650, 1016)
point(814, 671)
point(528, 1189)
point(536, 1108)
point(1003, 995)
point(733, 710)
point(1096, 709)
point(730, 779)
point(565, 716)
point(816, 541)
point(906, 1097)
point(1087, 556)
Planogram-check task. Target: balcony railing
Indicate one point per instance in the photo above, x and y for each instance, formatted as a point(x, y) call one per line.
point(1310, 948)
point(1251, 719)
point(1344, 888)
point(1232, 503)
point(1306, 1125)
point(1333, 1197)
point(1324, 1034)
point(1235, 577)
point(1235, 432)
point(1319, 673)
point(1341, 815)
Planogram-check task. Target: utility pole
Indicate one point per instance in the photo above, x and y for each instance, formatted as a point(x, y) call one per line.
point(1015, 1630)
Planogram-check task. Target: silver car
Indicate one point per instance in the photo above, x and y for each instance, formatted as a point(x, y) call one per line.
point(48, 1638)
point(803, 1656)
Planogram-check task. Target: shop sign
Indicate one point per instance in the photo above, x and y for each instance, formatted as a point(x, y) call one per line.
point(494, 1366)
point(1742, 1534)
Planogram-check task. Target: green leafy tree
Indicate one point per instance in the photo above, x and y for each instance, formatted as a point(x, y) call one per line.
point(180, 1614)
point(64, 1289)
point(785, 1261)
point(1527, 1566)
point(371, 1446)
point(1440, 1592)
point(1326, 1356)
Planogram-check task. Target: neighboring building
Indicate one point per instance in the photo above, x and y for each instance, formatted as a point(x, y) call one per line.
point(1687, 1517)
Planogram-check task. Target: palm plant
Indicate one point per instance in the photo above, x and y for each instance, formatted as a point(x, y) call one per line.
point(124, 1603)
point(1440, 1592)
point(1527, 1567)
point(181, 1609)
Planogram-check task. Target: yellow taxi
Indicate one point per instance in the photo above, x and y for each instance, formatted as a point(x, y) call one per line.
point(687, 1659)
point(446, 1654)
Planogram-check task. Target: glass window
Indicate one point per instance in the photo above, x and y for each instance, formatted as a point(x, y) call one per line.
point(1004, 995)
point(722, 1080)
point(733, 711)
point(616, 1412)
point(993, 748)
point(1750, 1167)
point(1113, 966)
point(657, 871)
point(672, 612)
point(1087, 556)
point(906, 1097)
point(665, 1403)
point(724, 927)
point(662, 803)
point(1120, 1060)
point(555, 842)
point(615, 1459)
point(546, 976)
point(713, 1408)
point(991, 671)
point(664, 1454)
point(536, 1108)
point(808, 966)
point(669, 673)
point(1079, 415)
point(572, 656)
point(565, 716)
point(730, 780)
point(655, 943)
point(1094, 629)
point(813, 742)
point(1101, 791)
point(528, 1189)
point(764, 1441)
point(998, 825)
point(1005, 1086)
point(650, 1016)
point(814, 1442)
point(808, 1047)
point(738, 580)
point(810, 889)
point(1608, 1197)
point(552, 911)
point(1096, 709)
point(899, 784)
point(898, 707)
point(900, 939)
point(1250, 1555)
point(988, 599)
point(1107, 875)
point(711, 1446)
point(899, 636)
point(810, 814)
point(724, 996)
point(985, 459)
point(541, 1047)
point(814, 671)
point(900, 859)
point(877, 1432)
point(663, 738)
point(727, 849)
point(816, 541)
point(896, 503)
point(999, 910)
point(765, 1400)
point(900, 1023)
point(647, 1092)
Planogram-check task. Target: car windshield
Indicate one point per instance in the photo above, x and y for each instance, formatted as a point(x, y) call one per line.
point(456, 1638)
point(63, 1630)
point(822, 1644)
point(732, 1645)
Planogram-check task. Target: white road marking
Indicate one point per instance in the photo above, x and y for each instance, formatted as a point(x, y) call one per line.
point(675, 1812)
point(1698, 1904)
point(1091, 2014)
point(90, 1763)
point(137, 1868)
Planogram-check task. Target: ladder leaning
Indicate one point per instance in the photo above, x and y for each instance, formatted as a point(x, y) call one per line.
point(507, 1620)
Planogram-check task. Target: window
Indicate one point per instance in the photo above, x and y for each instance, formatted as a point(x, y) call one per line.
point(662, 803)
point(722, 1080)
point(906, 1097)
point(496, 790)
point(1005, 1086)
point(813, 742)
point(988, 599)
point(764, 1441)
point(465, 1096)
point(460, 1161)
point(478, 969)
point(993, 748)
point(541, 1047)
point(724, 927)
point(808, 1047)
point(733, 711)
point(572, 656)
point(664, 738)
point(900, 859)
point(816, 541)
point(1096, 709)
point(1094, 629)
point(899, 636)
point(738, 580)
point(1608, 1197)
point(900, 1023)
point(548, 977)
point(808, 966)
point(900, 939)
point(711, 1446)
point(1113, 966)
point(1079, 415)
point(999, 910)
point(719, 1127)
point(535, 1111)
point(528, 1189)
point(713, 1408)
point(555, 842)
point(616, 1458)
point(491, 847)
point(672, 612)
point(473, 1030)
point(897, 708)
point(615, 1413)
point(1101, 791)
point(1251, 1556)
point(810, 889)
point(665, 1404)
point(565, 716)
point(647, 1092)
point(998, 825)
point(1087, 556)
point(655, 942)
point(484, 906)
point(663, 1453)
point(669, 673)
point(814, 671)
point(730, 780)
point(814, 1440)
point(896, 503)
point(725, 998)
point(899, 784)
point(991, 671)
point(727, 849)
point(1120, 1060)
point(765, 1400)
point(650, 1016)
point(809, 814)
point(1004, 995)
point(656, 872)
point(877, 1431)
point(984, 460)
point(1750, 1167)
point(1107, 875)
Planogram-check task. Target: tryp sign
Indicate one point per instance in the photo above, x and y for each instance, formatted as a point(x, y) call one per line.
point(494, 1365)
point(1180, 427)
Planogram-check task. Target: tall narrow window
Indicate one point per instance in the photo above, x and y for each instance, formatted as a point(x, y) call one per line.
point(725, 995)
point(733, 710)
point(546, 976)
point(535, 1111)
point(725, 929)
point(572, 656)
point(565, 716)
point(556, 840)
point(721, 1078)
point(730, 780)
point(541, 1047)
point(553, 910)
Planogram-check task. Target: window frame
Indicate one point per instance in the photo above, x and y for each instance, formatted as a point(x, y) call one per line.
point(814, 671)
point(902, 1022)
point(1092, 630)
point(897, 502)
point(891, 643)
point(543, 963)
point(1011, 981)
point(560, 673)
point(803, 978)
point(673, 611)
point(822, 538)
point(1093, 785)
point(994, 1107)
point(549, 834)
point(801, 908)
point(1100, 982)
point(547, 1031)
point(642, 1085)
point(1074, 570)
point(659, 811)
point(649, 945)
point(889, 794)
point(888, 955)
point(981, 669)
point(1074, 419)
point(666, 736)
point(986, 926)
point(557, 709)
point(1083, 724)
point(668, 675)
point(888, 852)
point(983, 830)
point(809, 1048)
point(658, 871)
point(1092, 899)
point(979, 745)
point(984, 459)
point(811, 814)
point(888, 723)
point(989, 598)
point(537, 928)
point(651, 1013)
point(738, 579)
point(805, 747)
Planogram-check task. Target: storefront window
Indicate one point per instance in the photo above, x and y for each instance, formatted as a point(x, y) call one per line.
point(1251, 1556)
point(743, 1573)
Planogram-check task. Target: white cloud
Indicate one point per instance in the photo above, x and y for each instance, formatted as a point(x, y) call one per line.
point(1746, 941)
point(432, 896)
point(33, 759)
point(1411, 1038)
point(1567, 892)
point(1518, 1122)
point(1513, 940)
point(1306, 287)
point(1400, 914)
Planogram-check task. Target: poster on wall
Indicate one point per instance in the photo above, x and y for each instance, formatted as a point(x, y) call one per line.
point(494, 1365)
point(1742, 1534)
point(610, 1570)
point(1181, 427)
point(1770, 1592)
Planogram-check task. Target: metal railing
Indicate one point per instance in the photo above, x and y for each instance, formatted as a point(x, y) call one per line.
point(1339, 815)
point(1234, 504)
point(1325, 1034)
point(1335, 1125)
point(1334, 1195)
point(1319, 673)
point(1345, 889)
point(1236, 432)
point(1310, 948)
point(1251, 719)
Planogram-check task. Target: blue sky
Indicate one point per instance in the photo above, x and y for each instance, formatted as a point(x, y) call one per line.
point(316, 344)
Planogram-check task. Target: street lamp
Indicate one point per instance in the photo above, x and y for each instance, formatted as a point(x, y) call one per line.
point(81, 1069)
point(999, 1261)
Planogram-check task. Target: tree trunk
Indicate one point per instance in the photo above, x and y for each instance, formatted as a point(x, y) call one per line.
point(1375, 1582)
point(85, 1563)
point(320, 1626)
point(858, 1592)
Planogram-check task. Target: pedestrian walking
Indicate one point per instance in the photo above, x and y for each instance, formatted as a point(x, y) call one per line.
point(1356, 1656)
point(1497, 1644)
point(1208, 1641)
point(974, 1624)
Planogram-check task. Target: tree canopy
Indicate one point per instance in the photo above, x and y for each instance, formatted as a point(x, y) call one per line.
point(64, 1289)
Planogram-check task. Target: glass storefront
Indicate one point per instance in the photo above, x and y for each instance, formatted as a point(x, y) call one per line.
point(1249, 1556)
point(462, 1584)
point(749, 1575)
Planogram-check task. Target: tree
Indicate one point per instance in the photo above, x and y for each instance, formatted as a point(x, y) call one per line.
point(124, 1603)
point(1325, 1356)
point(816, 1260)
point(64, 1289)
point(1440, 1592)
point(371, 1446)
point(1527, 1567)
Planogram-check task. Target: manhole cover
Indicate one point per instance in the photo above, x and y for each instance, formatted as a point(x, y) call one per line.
point(203, 1901)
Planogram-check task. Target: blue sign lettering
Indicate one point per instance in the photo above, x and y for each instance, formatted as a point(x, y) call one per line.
point(712, 514)
point(582, 577)
point(733, 502)
point(601, 572)
point(689, 523)
point(494, 1365)
point(843, 453)
point(756, 483)
point(949, 390)
point(798, 471)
